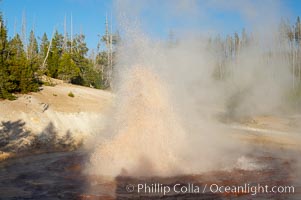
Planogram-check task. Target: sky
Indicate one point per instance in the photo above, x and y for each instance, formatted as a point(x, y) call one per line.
point(157, 17)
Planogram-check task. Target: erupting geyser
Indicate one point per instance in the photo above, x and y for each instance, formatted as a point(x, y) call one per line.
point(148, 138)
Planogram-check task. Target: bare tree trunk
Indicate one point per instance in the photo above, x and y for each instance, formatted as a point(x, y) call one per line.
point(220, 71)
point(71, 34)
point(102, 71)
point(48, 50)
point(65, 34)
point(23, 32)
point(299, 64)
point(111, 53)
point(293, 68)
point(108, 53)
point(15, 27)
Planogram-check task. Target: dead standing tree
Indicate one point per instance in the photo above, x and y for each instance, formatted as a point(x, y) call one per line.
point(23, 32)
point(109, 47)
point(43, 67)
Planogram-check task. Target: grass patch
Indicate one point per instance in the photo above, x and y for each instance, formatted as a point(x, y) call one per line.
point(70, 94)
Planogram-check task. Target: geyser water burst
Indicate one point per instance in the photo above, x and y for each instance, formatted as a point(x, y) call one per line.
point(148, 138)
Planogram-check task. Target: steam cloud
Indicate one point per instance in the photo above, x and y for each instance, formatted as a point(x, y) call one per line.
point(165, 115)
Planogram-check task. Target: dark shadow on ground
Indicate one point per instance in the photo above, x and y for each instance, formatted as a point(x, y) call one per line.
point(12, 135)
point(44, 176)
point(15, 138)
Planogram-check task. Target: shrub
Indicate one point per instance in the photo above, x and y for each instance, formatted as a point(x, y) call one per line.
point(70, 94)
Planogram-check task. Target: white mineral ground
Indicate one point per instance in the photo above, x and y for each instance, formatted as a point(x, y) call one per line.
point(81, 116)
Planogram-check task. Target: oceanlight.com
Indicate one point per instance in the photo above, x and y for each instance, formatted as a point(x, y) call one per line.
point(252, 189)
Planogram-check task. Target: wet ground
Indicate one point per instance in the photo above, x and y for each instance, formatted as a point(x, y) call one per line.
point(45, 176)
point(60, 176)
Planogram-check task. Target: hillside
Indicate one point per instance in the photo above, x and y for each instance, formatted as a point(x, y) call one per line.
point(50, 119)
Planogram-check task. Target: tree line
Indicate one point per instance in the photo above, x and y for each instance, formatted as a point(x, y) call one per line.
point(62, 57)
point(23, 65)
point(287, 47)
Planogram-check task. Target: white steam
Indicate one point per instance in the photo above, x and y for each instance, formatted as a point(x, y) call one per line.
point(164, 121)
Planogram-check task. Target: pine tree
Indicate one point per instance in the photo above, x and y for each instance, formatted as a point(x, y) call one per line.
point(16, 60)
point(67, 68)
point(53, 60)
point(21, 70)
point(298, 44)
point(32, 49)
point(80, 50)
point(298, 31)
point(236, 44)
point(43, 53)
point(6, 87)
point(3, 40)
point(89, 74)
point(33, 52)
point(44, 46)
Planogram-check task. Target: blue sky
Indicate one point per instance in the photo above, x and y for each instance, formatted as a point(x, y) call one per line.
point(157, 17)
point(44, 15)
